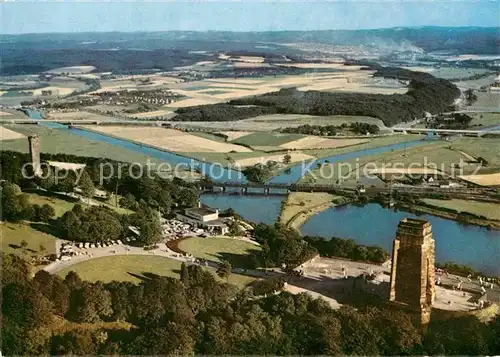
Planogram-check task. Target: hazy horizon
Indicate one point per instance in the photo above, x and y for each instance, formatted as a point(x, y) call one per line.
point(245, 16)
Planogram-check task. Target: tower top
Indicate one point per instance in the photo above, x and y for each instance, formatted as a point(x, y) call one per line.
point(413, 231)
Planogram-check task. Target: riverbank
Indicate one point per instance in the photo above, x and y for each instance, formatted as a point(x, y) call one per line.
point(300, 206)
point(458, 217)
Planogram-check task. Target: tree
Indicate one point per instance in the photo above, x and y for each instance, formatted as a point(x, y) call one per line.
point(147, 221)
point(66, 184)
point(287, 159)
point(224, 269)
point(128, 201)
point(86, 186)
point(13, 207)
point(187, 197)
point(94, 224)
point(90, 302)
point(46, 213)
point(234, 228)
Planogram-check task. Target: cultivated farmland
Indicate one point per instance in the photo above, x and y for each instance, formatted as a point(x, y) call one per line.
point(7, 134)
point(314, 142)
point(168, 139)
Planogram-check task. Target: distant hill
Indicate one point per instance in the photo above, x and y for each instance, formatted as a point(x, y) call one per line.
point(142, 51)
point(474, 40)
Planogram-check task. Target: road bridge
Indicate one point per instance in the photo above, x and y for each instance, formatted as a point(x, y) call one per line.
point(466, 132)
point(284, 188)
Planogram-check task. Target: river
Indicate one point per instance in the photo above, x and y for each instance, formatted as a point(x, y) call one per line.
point(374, 225)
point(371, 224)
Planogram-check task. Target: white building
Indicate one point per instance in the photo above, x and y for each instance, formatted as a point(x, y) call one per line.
point(205, 218)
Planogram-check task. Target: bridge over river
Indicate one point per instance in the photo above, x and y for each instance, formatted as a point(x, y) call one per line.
point(269, 188)
point(465, 132)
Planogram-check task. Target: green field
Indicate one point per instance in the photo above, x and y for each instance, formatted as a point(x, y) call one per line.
point(267, 139)
point(487, 148)
point(60, 205)
point(302, 119)
point(215, 92)
point(207, 135)
point(14, 233)
point(484, 119)
point(235, 251)
point(489, 210)
point(476, 83)
point(305, 202)
point(134, 268)
point(444, 155)
point(487, 100)
point(373, 143)
point(451, 72)
point(12, 114)
point(59, 141)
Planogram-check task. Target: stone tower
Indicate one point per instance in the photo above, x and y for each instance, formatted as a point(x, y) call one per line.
point(34, 142)
point(412, 272)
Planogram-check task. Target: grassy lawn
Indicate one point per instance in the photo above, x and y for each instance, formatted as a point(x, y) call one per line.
point(236, 251)
point(61, 206)
point(303, 201)
point(135, 268)
point(14, 233)
point(485, 119)
point(489, 210)
point(267, 139)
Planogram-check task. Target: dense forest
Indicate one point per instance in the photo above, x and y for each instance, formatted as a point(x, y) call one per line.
point(197, 314)
point(220, 112)
point(426, 94)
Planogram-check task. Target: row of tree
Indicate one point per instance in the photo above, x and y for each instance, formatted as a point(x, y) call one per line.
point(332, 130)
point(199, 315)
point(283, 245)
point(347, 248)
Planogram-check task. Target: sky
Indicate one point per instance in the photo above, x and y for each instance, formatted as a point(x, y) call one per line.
point(21, 16)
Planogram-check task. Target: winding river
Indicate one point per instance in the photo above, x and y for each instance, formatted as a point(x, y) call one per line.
point(475, 246)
